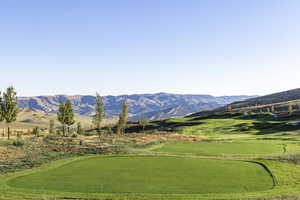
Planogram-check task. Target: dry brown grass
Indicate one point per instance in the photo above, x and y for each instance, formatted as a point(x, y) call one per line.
point(10, 154)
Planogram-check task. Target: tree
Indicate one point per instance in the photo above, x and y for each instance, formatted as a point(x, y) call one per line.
point(1, 115)
point(62, 115)
point(36, 131)
point(143, 123)
point(119, 129)
point(97, 120)
point(79, 129)
point(51, 126)
point(9, 108)
point(70, 115)
point(123, 117)
point(229, 108)
point(273, 109)
point(65, 116)
point(290, 108)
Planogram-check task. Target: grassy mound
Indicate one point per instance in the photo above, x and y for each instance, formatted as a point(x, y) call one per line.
point(155, 175)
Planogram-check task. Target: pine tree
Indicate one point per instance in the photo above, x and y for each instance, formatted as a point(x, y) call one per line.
point(51, 126)
point(99, 109)
point(123, 117)
point(70, 115)
point(9, 108)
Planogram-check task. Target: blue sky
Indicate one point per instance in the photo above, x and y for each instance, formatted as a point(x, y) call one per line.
point(218, 47)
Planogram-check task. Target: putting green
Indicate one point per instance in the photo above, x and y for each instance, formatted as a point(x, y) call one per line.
point(152, 175)
point(222, 148)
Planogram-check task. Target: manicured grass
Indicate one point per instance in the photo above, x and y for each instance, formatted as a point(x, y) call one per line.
point(222, 148)
point(231, 128)
point(185, 177)
point(217, 127)
point(152, 175)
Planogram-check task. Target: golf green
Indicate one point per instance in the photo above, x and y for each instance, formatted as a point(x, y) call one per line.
point(147, 174)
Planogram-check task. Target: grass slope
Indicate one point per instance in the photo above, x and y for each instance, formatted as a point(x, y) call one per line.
point(231, 127)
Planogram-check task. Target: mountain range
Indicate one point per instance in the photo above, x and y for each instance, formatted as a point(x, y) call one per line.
point(148, 106)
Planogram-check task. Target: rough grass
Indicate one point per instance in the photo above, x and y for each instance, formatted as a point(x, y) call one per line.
point(156, 175)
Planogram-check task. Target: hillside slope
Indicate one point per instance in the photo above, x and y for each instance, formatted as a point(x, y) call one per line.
point(29, 118)
point(290, 95)
point(280, 100)
point(139, 104)
point(177, 111)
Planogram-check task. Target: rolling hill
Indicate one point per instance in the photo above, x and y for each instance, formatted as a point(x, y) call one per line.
point(280, 100)
point(152, 106)
point(29, 118)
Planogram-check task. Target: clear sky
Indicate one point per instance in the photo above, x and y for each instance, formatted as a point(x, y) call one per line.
point(218, 47)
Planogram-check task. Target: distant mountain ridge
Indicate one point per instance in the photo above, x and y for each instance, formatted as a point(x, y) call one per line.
point(150, 106)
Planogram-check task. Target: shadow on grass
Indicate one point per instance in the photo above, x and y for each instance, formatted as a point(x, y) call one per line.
point(163, 125)
point(266, 127)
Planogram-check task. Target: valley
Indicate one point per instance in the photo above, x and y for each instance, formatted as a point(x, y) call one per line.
point(218, 154)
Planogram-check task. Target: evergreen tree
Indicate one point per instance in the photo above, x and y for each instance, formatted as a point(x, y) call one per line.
point(9, 108)
point(70, 115)
point(99, 109)
point(123, 117)
point(51, 127)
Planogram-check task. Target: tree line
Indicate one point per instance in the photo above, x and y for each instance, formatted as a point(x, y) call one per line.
point(66, 117)
point(9, 111)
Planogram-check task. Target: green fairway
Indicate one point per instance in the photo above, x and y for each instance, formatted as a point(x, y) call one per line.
point(231, 128)
point(222, 148)
point(214, 127)
point(152, 175)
